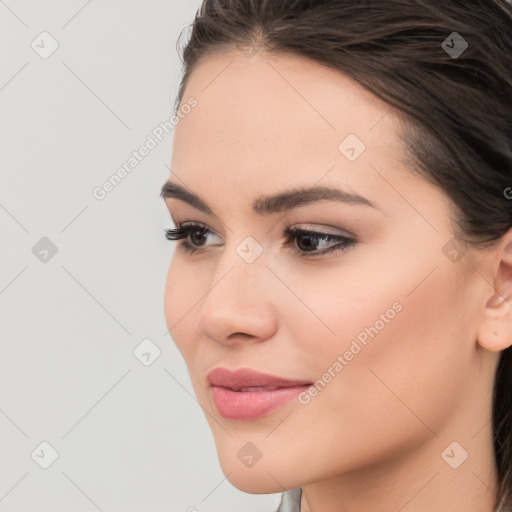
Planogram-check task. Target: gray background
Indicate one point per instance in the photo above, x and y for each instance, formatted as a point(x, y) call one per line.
point(129, 437)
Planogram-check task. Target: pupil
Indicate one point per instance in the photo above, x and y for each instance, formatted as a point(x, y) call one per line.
point(200, 236)
point(309, 241)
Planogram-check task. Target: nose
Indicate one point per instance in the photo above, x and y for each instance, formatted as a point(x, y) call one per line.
point(239, 306)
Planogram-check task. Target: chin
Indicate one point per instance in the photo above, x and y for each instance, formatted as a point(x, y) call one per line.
point(264, 477)
point(255, 483)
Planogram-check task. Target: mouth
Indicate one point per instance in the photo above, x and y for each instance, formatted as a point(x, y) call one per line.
point(246, 394)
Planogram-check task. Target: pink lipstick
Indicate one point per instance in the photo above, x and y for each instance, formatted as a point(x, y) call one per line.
point(245, 394)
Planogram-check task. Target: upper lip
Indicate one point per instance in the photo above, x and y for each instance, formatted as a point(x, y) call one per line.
point(246, 377)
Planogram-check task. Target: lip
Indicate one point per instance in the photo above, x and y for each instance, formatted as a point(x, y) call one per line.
point(246, 377)
point(235, 402)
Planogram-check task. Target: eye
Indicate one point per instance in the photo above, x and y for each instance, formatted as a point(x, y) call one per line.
point(306, 243)
point(195, 231)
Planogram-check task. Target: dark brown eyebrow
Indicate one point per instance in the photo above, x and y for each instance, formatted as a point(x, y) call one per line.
point(267, 205)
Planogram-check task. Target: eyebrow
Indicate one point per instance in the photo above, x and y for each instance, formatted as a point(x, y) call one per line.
point(267, 205)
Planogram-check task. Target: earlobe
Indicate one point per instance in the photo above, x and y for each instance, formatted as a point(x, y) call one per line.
point(495, 333)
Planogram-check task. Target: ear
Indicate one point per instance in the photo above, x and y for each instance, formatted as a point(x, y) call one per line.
point(495, 330)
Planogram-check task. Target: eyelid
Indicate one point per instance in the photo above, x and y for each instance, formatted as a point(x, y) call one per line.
point(322, 228)
point(198, 225)
point(307, 226)
point(318, 227)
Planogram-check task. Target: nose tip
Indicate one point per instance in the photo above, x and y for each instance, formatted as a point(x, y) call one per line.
point(238, 308)
point(234, 325)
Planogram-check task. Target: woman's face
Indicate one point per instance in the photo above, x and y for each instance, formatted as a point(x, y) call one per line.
point(385, 326)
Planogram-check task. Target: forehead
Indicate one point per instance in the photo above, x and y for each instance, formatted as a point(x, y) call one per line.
point(282, 119)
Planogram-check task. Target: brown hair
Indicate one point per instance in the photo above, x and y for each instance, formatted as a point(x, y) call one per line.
point(456, 102)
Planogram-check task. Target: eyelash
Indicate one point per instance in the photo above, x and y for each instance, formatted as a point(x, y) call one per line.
point(183, 231)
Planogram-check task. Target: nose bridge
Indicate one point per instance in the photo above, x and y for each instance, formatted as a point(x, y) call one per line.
point(243, 265)
point(240, 272)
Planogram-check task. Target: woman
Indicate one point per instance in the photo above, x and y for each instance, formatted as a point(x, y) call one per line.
point(341, 289)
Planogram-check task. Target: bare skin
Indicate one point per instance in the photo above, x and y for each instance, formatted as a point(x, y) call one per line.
point(378, 437)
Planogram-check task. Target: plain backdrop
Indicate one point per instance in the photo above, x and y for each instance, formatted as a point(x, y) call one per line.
point(97, 410)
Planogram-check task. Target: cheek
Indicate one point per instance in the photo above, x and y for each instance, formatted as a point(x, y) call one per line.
point(182, 291)
point(402, 382)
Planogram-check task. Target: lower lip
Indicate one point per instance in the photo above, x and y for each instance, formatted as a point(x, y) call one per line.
point(249, 405)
